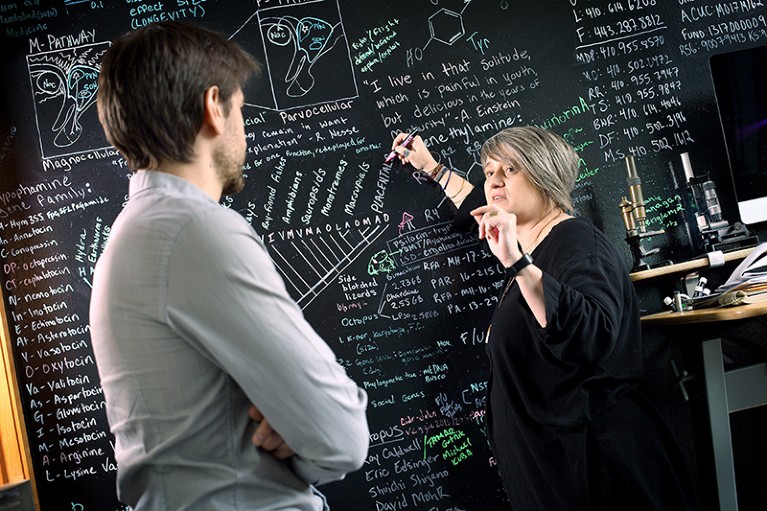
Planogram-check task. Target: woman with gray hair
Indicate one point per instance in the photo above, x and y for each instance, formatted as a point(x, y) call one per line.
point(568, 421)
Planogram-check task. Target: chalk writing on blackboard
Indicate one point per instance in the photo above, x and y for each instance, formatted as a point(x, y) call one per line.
point(403, 301)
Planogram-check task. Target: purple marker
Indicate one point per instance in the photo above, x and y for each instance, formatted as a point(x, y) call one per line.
point(405, 143)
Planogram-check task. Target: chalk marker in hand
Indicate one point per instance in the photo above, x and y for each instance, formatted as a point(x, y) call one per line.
point(405, 143)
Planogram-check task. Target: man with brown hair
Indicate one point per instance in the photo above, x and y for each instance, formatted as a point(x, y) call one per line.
point(189, 319)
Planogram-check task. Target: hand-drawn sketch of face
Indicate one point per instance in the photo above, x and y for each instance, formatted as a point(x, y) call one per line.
point(64, 85)
point(311, 38)
point(306, 52)
point(80, 93)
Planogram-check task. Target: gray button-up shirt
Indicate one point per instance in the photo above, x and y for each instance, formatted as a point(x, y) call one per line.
point(190, 324)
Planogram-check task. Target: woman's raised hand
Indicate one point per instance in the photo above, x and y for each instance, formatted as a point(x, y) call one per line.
point(417, 154)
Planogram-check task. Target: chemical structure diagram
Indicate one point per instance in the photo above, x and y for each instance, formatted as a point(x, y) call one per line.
point(446, 26)
point(473, 174)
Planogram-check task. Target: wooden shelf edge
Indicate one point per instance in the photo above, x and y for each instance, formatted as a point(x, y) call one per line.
point(15, 458)
point(687, 266)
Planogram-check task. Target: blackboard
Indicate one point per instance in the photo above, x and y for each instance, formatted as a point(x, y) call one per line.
point(366, 248)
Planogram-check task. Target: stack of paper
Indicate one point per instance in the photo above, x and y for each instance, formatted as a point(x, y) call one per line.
point(747, 283)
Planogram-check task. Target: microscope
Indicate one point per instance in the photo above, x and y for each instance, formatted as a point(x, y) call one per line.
point(716, 233)
point(635, 220)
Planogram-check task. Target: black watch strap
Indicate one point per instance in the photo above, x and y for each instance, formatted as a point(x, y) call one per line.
point(523, 262)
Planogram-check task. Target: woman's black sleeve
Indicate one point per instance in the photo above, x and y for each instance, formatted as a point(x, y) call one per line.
point(463, 220)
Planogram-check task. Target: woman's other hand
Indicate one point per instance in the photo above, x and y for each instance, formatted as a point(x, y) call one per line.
point(499, 228)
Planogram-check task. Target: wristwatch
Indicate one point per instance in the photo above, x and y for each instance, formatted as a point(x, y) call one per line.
point(523, 262)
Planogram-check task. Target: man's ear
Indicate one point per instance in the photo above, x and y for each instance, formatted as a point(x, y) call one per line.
point(213, 113)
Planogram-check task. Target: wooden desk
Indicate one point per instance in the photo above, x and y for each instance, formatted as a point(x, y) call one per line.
point(726, 391)
point(708, 315)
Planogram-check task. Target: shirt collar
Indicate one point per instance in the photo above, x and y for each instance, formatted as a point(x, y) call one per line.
point(145, 179)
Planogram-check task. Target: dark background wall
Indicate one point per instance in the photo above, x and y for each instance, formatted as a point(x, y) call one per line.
point(366, 248)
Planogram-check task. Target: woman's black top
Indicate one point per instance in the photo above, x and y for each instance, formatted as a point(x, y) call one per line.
point(553, 423)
